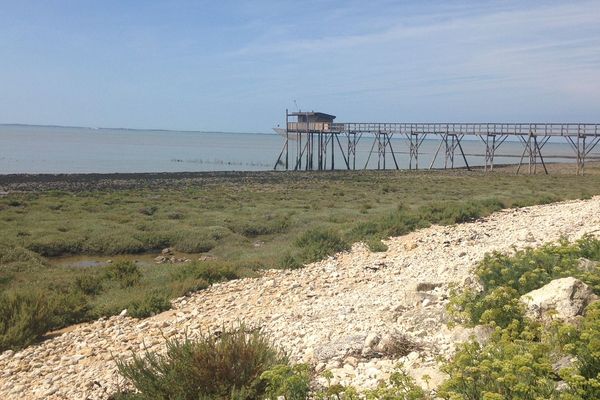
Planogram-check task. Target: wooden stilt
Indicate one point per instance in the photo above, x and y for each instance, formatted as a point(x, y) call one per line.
point(315, 147)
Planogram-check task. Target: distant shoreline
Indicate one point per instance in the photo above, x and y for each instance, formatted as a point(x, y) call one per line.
point(161, 180)
point(127, 129)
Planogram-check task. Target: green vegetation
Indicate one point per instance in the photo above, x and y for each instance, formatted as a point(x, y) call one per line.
point(289, 382)
point(506, 278)
point(316, 244)
point(241, 365)
point(517, 363)
point(226, 367)
point(584, 343)
point(239, 225)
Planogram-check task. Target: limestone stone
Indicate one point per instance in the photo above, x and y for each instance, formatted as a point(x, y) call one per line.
point(563, 298)
point(324, 313)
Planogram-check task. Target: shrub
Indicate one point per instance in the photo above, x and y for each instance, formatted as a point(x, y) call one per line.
point(23, 319)
point(184, 285)
point(16, 254)
point(15, 203)
point(66, 306)
point(153, 239)
point(499, 306)
point(400, 386)
point(194, 244)
point(589, 248)
point(199, 240)
point(152, 304)
point(584, 378)
point(109, 241)
point(27, 315)
point(289, 382)
point(56, 245)
point(209, 271)
point(404, 220)
point(517, 362)
point(458, 212)
point(225, 367)
point(506, 278)
point(127, 273)
point(400, 222)
point(288, 261)
point(267, 225)
point(194, 276)
point(376, 245)
point(89, 284)
point(514, 364)
point(365, 229)
point(319, 243)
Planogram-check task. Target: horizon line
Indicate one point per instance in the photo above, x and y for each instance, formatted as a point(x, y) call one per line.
point(128, 129)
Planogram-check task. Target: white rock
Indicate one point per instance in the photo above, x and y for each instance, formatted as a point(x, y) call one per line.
point(371, 340)
point(563, 298)
point(351, 361)
point(372, 304)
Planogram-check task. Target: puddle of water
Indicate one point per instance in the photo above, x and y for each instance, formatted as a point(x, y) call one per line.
point(88, 263)
point(83, 261)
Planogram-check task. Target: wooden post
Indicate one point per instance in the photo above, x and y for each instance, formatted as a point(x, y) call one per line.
point(287, 141)
point(332, 152)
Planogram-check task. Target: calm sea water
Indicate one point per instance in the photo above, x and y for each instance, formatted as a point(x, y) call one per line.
point(36, 149)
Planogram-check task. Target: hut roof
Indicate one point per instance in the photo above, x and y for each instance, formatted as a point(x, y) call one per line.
point(313, 113)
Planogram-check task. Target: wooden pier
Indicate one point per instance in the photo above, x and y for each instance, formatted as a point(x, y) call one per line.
point(318, 139)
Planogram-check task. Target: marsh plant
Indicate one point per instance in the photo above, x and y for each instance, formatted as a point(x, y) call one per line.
point(519, 361)
point(248, 224)
point(229, 365)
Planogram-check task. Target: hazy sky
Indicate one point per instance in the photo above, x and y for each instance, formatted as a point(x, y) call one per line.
point(236, 66)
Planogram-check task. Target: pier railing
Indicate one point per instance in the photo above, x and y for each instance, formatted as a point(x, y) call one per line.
point(520, 129)
point(303, 127)
point(322, 140)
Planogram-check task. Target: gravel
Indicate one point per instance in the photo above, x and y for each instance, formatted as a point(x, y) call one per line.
point(344, 313)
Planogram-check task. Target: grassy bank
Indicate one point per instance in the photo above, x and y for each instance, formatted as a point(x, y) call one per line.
point(244, 224)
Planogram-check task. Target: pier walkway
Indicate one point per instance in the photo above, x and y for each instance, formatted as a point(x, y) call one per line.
point(317, 140)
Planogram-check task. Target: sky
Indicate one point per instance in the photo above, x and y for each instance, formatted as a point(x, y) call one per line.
point(237, 65)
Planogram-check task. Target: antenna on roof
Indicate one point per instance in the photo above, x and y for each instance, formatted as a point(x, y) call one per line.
point(296, 105)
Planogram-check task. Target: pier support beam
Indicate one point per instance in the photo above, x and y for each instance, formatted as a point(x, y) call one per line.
point(285, 151)
point(533, 150)
point(353, 141)
point(383, 141)
point(491, 145)
point(315, 148)
point(415, 140)
point(582, 148)
point(286, 145)
point(389, 143)
point(451, 142)
point(346, 159)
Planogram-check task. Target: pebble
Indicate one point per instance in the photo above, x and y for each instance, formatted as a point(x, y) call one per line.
point(332, 314)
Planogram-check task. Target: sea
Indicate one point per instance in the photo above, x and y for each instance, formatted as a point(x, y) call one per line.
point(29, 149)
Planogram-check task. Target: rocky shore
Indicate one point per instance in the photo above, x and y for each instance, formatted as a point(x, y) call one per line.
point(161, 180)
point(357, 314)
